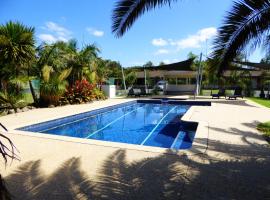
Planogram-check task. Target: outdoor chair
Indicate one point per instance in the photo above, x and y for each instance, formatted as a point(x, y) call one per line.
point(237, 93)
point(144, 92)
point(221, 93)
point(134, 92)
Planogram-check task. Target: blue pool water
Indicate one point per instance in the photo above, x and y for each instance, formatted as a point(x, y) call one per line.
point(148, 124)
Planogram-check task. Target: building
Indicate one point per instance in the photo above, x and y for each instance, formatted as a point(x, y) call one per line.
point(181, 77)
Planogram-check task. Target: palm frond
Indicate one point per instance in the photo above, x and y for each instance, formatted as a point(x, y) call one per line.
point(126, 12)
point(46, 73)
point(246, 23)
point(64, 74)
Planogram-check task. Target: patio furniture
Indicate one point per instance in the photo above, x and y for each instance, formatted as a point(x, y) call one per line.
point(221, 92)
point(237, 93)
point(144, 92)
point(136, 92)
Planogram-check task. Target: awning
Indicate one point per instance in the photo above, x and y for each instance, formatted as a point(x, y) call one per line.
point(179, 66)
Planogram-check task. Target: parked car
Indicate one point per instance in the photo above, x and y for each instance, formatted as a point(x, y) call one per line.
point(161, 85)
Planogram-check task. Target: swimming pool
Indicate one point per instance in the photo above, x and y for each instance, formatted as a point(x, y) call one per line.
point(148, 123)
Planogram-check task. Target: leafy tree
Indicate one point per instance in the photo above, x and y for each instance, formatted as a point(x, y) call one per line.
point(16, 55)
point(161, 63)
point(131, 78)
point(245, 27)
point(148, 64)
point(53, 85)
point(126, 12)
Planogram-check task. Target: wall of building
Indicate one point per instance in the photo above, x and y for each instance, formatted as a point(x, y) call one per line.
point(180, 88)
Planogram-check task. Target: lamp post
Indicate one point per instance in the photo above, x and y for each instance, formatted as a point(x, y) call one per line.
point(198, 77)
point(124, 81)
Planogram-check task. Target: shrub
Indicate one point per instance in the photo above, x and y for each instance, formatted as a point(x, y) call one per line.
point(81, 91)
point(98, 94)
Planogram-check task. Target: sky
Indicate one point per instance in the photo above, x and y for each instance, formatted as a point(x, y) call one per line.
point(166, 34)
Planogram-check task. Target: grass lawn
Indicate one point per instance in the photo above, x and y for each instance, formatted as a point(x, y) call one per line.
point(265, 128)
point(263, 102)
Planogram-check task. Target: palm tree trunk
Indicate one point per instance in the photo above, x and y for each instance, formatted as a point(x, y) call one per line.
point(34, 96)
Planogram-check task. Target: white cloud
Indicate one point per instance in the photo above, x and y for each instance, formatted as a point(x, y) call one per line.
point(195, 41)
point(95, 32)
point(60, 30)
point(162, 51)
point(57, 33)
point(159, 42)
point(191, 41)
point(166, 61)
point(47, 38)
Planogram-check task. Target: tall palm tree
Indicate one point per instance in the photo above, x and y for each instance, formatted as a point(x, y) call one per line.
point(16, 45)
point(126, 12)
point(16, 55)
point(245, 27)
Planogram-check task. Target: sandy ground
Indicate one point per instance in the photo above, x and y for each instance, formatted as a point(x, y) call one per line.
point(236, 164)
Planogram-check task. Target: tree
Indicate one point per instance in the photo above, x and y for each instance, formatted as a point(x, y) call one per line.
point(126, 12)
point(16, 47)
point(161, 63)
point(131, 78)
point(148, 64)
point(16, 55)
point(246, 26)
point(53, 85)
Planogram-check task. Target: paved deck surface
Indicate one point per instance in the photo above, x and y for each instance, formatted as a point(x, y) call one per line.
point(236, 164)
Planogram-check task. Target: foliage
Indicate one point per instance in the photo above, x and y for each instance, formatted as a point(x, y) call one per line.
point(16, 45)
point(265, 128)
point(82, 92)
point(12, 97)
point(245, 26)
point(126, 12)
point(148, 64)
point(53, 85)
point(131, 78)
point(16, 54)
point(241, 79)
point(98, 94)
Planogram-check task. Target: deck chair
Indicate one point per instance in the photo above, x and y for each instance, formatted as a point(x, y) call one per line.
point(131, 92)
point(134, 92)
point(221, 93)
point(237, 93)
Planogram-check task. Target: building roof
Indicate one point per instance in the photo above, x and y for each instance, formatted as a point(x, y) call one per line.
point(255, 65)
point(179, 66)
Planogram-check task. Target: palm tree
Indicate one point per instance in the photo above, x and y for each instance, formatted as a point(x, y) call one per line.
point(53, 85)
point(246, 26)
point(16, 45)
point(126, 12)
point(16, 55)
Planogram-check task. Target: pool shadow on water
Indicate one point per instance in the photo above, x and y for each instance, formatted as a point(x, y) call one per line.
point(164, 177)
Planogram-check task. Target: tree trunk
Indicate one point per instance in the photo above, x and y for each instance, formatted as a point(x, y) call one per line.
point(36, 102)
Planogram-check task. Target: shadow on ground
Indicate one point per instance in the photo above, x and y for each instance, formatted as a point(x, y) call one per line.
point(233, 102)
point(168, 176)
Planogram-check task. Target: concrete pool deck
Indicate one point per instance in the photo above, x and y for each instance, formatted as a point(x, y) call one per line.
point(235, 165)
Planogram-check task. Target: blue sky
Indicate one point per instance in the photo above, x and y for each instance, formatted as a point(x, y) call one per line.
point(165, 34)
